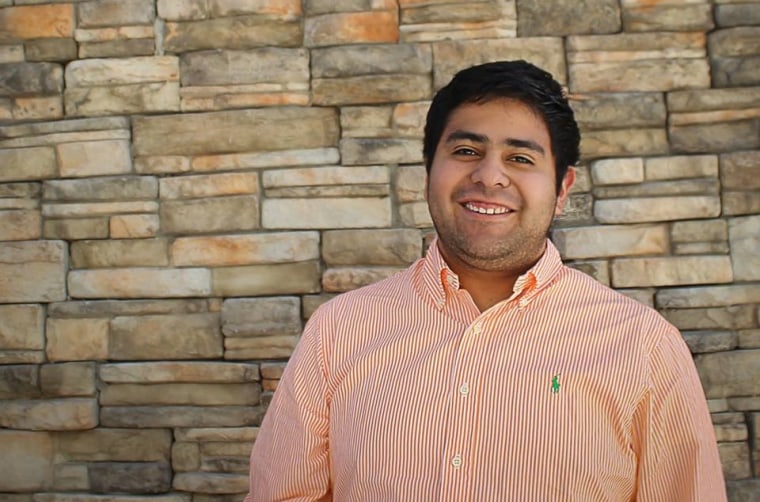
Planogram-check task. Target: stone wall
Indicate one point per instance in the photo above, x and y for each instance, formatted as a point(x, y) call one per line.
point(182, 182)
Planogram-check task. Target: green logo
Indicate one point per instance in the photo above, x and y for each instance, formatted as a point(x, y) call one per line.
point(555, 383)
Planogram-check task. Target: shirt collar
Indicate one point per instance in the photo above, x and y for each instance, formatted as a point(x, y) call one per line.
point(437, 277)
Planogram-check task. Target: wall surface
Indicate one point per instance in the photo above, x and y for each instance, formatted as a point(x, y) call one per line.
point(182, 182)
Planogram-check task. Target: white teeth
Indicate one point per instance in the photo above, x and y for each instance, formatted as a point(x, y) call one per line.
point(490, 210)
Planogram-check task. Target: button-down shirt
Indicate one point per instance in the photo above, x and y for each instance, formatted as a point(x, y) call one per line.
point(568, 390)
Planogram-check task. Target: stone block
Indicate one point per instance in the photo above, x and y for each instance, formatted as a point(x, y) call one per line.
point(12, 53)
point(200, 394)
point(76, 228)
point(701, 342)
point(120, 253)
point(134, 477)
point(182, 10)
point(21, 356)
point(122, 99)
point(715, 318)
point(243, 317)
point(617, 171)
point(90, 209)
point(22, 327)
point(749, 338)
point(734, 42)
point(708, 296)
point(19, 382)
point(94, 158)
point(670, 271)
point(79, 497)
point(726, 374)
point(696, 186)
point(609, 110)
point(611, 241)
point(209, 185)
point(312, 303)
point(371, 60)
point(681, 167)
point(68, 477)
point(23, 79)
point(740, 203)
point(449, 12)
point(101, 188)
point(118, 48)
point(213, 483)
point(316, 176)
point(415, 215)
point(115, 13)
point(245, 249)
point(370, 89)
point(276, 8)
point(76, 339)
point(624, 143)
point(185, 371)
point(546, 52)
point(32, 163)
point(701, 248)
point(180, 416)
point(36, 108)
point(236, 32)
point(139, 283)
point(155, 337)
point(674, 16)
point(299, 157)
point(236, 131)
point(337, 280)
point(49, 414)
point(144, 306)
point(371, 27)
point(410, 183)
point(736, 14)
point(256, 66)
point(326, 213)
point(744, 490)
point(735, 459)
point(20, 225)
point(647, 75)
point(740, 170)
point(267, 280)
point(68, 379)
point(25, 461)
point(260, 347)
point(114, 445)
point(652, 209)
point(744, 238)
point(50, 49)
point(185, 457)
point(567, 18)
point(371, 247)
point(133, 226)
point(364, 151)
point(215, 214)
point(715, 137)
point(36, 21)
point(116, 72)
point(32, 271)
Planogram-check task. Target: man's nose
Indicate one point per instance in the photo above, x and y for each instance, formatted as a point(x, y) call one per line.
point(491, 172)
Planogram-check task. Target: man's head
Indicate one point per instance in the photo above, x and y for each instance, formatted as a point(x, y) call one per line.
point(518, 80)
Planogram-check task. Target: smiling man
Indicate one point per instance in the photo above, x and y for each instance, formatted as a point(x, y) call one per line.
point(488, 370)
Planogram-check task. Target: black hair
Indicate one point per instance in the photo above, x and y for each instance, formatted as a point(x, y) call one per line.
point(517, 80)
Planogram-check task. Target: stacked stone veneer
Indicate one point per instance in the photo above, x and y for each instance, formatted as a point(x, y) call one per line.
point(182, 182)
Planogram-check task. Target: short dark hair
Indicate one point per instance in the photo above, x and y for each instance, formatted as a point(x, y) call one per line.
point(517, 80)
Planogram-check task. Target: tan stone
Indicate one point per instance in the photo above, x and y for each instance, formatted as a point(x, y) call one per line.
point(100, 72)
point(679, 167)
point(243, 317)
point(85, 209)
point(122, 99)
point(120, 253)
point(260, 347)
point(79, 497)
point(22, 356)
point(684, 187)
point(708, 296)
point(25, 461)
point(145, 306)
point(186, 457)
point(651, 209)
point(20, 381)
point(21, 327)
point(363, 151)
point(37, 21)
point(206, 482)
point(76, 228)
point(115, 12)
point(113, 34)
point(699, 231)
point(104, 445)
point(37, 108)
point(200, 186)
point(701, 248)
point(352, 28)
point(94, 158)
point(179, 416)
point(235, 32)
point(715, 137)
point(315, 176)
point(674, 16)
point(213, 214)
point(154, 337)
point(28, 163)
point(201, 394)
point(567, 18)
point(272, 371)
point(133, 226)
point(162, 164)
point(670, 271)
point(49, 414)
point(410, 183)
point(641, 76)
point(749, 338)
point(245, 249)
point(32, 271)
point(328, 192)
point(416, 215)
point(715, 318)
point(610, 241)
point(623, 143)
point(735, 459)
point(326, 213)
point(370, 89)
point(182, 10)
point(617, 171)
point(744, 238)
point(371, 247)
point(309, 156)
point(101, 188)
point(366, 121)
point(139, 283)
point(266, 280)
point(76, 339)
point(245, 434)
point(185, 371)
point(348, 278)
point(68, 379)
point(70, 478)
point(725, 433)
point(12, 53)
point(264, 65)
point(740, 170)
point(120, 47)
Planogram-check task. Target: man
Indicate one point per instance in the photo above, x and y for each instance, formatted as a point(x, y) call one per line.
point(489, 371)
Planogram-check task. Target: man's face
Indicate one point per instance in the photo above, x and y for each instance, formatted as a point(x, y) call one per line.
point(491, 189)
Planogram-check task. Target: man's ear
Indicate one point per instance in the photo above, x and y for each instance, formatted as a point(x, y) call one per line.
point(427, 182)
point(564, 190)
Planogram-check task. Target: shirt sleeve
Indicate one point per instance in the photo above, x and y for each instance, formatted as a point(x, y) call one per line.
point(290, 457)
point(678, 454)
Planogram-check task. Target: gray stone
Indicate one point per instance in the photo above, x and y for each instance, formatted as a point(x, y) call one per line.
point(623, 143)
point(370, 89)
point(184, 371)
point(725, 374)
point(701, 342)
point(741, 203)
point(109, 308)
point(171, 394)
point(368, 151)
point(154, 337)
point(50, 49)
point(75, 228)
point(717, 137)
point(210, 215)
point(639, 76)
point(20, 225)
point(740, 170)
point(567, 18)
point(471, 12)
point(744, 490)
point(353, 61)
point(238, 32)
point(207, 482)
point(673, 17)
point(610, 240)
point(265, 65)
point(25, 462)
point(118, 48)
point(342, 279)
point(736, 14)
point(22, 327)
point(32, 271)
point(103, 188)
point(610, 110)
point(19, 382)
point(114, 445)
point(697, 186)
point(735, 71)
point(708, 296)
point(732, 42)
point(261, 316)
point(134, 477)
point(267, 280)
point(115, 13)
point(68, 379)
point(371, 247)
point(735, 459)
point(22, 79)
point(120, 253)
point(690, 101)
point(180, 416)
point(236, 131)
point(122, 99)
point(749, 338)
point(49, 414)
point(744, 238)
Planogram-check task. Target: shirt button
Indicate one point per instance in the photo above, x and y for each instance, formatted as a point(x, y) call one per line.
point(477, 328)
point(456, 461)
point(464, 389)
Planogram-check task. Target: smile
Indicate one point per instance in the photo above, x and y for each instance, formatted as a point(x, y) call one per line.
point(487, 210)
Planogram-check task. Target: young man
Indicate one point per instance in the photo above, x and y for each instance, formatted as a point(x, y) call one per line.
point(489, 371)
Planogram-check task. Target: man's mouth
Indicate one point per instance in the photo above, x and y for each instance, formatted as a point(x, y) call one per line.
point(486, 209)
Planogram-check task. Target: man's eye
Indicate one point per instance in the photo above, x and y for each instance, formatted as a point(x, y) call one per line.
point(520, 159)
point(465, 151)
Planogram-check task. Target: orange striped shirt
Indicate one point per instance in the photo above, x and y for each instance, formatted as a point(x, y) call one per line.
point(568, 390)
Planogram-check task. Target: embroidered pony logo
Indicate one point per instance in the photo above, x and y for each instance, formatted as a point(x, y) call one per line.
point(555, 384)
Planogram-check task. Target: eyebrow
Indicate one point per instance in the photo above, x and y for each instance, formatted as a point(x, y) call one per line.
point(460, 134)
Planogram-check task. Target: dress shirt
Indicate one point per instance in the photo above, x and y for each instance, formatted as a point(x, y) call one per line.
point(566, 391)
